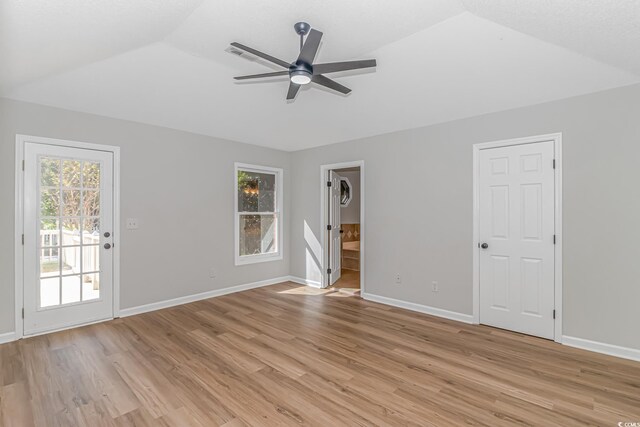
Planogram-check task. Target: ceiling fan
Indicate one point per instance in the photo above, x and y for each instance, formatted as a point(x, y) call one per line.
point(303, 71)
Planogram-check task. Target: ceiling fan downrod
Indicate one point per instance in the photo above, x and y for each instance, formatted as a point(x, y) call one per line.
point(302, 29)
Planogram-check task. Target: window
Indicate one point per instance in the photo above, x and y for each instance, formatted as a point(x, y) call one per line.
point(258, 212)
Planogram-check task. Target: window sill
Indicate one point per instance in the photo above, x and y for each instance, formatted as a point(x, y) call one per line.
point(256, 259)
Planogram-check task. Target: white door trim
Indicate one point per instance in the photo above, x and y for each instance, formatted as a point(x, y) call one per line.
point(324, 170)
point(21, 140)
point(557, 140)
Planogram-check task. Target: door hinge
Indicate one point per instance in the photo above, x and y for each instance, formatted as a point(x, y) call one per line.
point(328, 271)
point(23, 312)
point(329, 227)
point(23, 165)
point(23, 239)
point(328, 183)
point(554, 163)
point(554, 314)
point(554, 239)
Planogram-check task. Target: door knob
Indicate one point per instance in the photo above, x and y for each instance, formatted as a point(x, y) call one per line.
point(107, 234)
point(107, 246)
point(484, 245)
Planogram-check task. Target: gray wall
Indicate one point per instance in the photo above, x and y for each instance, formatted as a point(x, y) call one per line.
point(351, 214)
point(601, 153)
point(180, 187)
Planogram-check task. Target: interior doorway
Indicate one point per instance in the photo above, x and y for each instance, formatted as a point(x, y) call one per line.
point(342, 220)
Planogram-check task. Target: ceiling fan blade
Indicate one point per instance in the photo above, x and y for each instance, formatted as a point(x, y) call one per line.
point(258, 76)
point(333, 67)
point(293, 90)
point(262, 55)
point(310, 48)
point(331, 84)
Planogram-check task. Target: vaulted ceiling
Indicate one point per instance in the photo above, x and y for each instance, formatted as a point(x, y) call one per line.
point(165, 62)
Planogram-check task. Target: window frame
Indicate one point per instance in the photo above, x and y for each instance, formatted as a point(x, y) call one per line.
point(258, 258)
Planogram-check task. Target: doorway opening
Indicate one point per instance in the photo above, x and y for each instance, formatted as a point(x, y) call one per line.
point(343, 225)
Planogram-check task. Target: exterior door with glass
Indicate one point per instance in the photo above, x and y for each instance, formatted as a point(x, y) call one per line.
point(68, 236)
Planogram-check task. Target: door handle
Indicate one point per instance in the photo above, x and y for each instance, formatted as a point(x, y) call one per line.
point(484, 245)
point(107, 246)
point(107, 234)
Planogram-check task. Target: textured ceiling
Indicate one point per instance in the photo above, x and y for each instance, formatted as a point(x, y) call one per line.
point(164, 63)
point(607, 30)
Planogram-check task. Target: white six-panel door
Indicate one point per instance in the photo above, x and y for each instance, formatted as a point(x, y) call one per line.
point(516, 231)
point(68, 237)
point(334, 233)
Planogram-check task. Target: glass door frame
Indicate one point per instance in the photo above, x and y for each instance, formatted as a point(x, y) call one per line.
point(21, 141)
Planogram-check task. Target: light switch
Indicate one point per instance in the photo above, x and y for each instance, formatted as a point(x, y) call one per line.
point(132, 223)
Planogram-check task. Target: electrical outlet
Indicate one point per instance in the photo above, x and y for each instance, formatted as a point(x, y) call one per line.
point(435, 287)
point(132, 223)
point(212, 273)
point(398, 279)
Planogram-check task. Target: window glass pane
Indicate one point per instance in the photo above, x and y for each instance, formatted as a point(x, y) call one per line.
point(91, 175)
point(257, 234)
point(71, 173)
point(49, 172)
point(70, 289)
point(91, 203)
point(49, 291)
point(256, 191)
point(90, 286)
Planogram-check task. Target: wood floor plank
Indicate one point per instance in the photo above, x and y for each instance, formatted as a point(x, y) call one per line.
point(293, 355)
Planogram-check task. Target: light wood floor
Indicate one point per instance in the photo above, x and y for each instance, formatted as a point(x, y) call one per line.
point(349, 279)
point(289, 355)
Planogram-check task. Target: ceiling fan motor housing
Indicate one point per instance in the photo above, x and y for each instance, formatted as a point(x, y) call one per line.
point(301, 68)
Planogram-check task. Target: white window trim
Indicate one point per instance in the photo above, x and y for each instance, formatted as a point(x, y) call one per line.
point(253, 259)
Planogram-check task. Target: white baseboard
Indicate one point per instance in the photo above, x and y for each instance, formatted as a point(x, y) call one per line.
point(600, 347)
point(131, 311)
point(301, 281)
point(7, 337)
point(451, 315)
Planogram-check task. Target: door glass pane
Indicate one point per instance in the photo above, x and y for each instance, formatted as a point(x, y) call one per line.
point(49, 172)
point(70, 289)
point(70, 234)
point(71, 260)
point(91, 175)
point(49, 291)
point(71, 173)
point(91, 203)
point(69, 231)
point(257, 234)
point(71, 202)
point(49, 262)
point(90, 258)
point(256, 191)
point(49, 233)
point(91, 226)
point(49, 202)
point(90, 286)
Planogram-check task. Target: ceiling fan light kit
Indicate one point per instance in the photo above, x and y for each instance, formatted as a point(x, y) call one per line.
point(303, 71)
